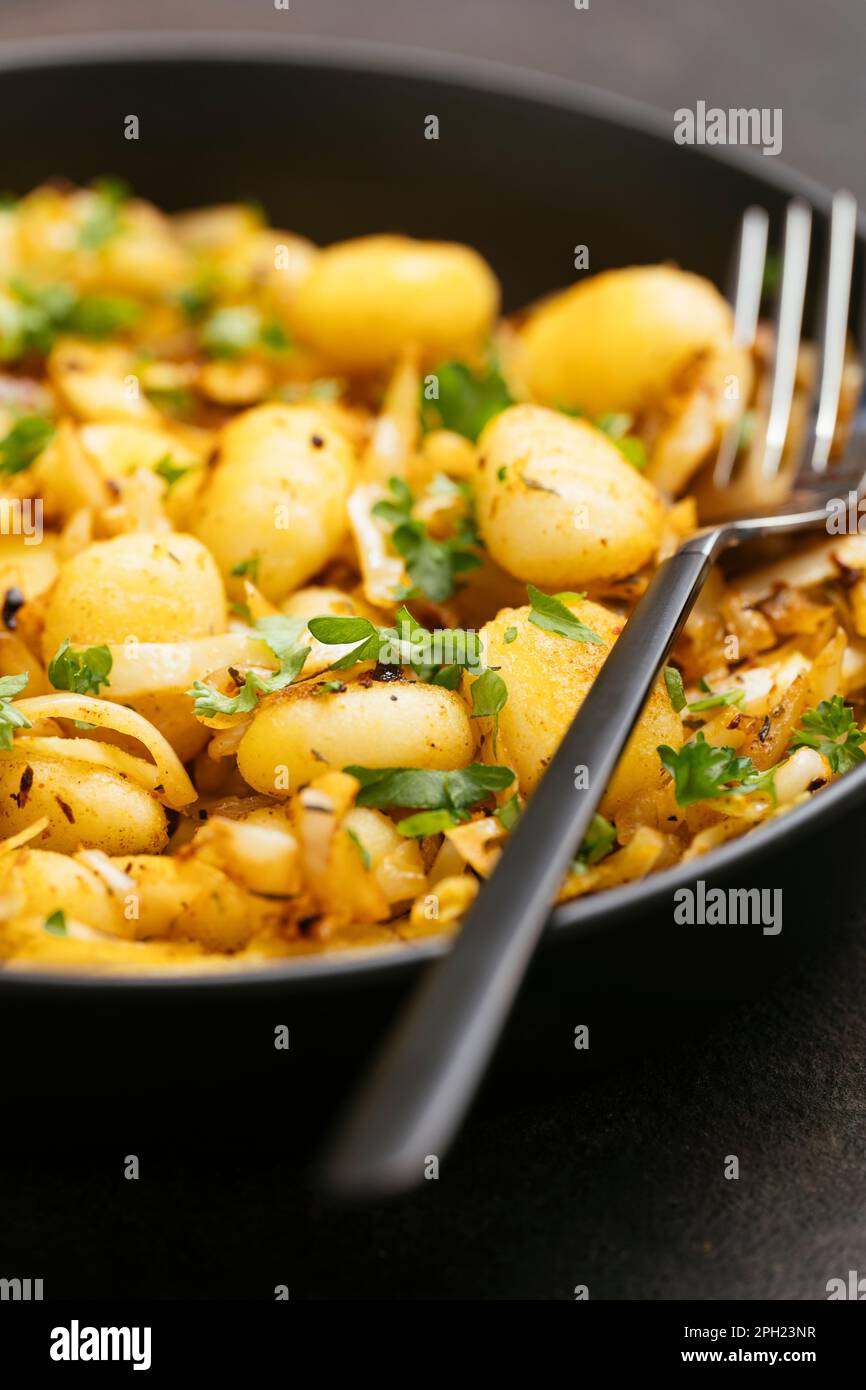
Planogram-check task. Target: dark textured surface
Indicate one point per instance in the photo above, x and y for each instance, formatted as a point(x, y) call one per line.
point(612, 1177)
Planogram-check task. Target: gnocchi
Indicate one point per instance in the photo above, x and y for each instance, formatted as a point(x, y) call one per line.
point(322, 555)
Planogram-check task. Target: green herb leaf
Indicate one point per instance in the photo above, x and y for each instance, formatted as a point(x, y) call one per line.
point(616, 426)
point(598, 842)
point(716, 699)
point(171, 471)
point(210, 702)
point(466, 400)
point(24, 443)
point(489, 697)
point(360, 847)
point(55, 925)
point(10, 717)
point(247, 569)
point(509, 635)
point(101, 316)
point(104, 221)
point(550, 614)
point(432, 565)
point(508, 814)
point(702, 771)
point(426, 823)
point(429, 790)
point(832, 730)
point(674, 687)
point(231, 331)
point(83, 672)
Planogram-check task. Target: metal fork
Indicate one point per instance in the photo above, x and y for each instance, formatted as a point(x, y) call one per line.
point(417, 1093)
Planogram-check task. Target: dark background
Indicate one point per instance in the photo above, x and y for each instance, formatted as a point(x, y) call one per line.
point(608, 1174)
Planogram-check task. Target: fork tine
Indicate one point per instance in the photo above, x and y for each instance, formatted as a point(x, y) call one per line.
point(834, 331)
point(747, 305)
point(789, 320)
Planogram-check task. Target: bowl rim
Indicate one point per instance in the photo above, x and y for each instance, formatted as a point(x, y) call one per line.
point(583, 916)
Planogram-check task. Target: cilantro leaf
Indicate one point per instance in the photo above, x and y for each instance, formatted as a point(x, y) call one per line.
point(83, 672)
point(702, 771)
point(10, 717)
point(548, 613)
point(100, 315)
point(466, 401)
point(24, 443)
point(832, 730)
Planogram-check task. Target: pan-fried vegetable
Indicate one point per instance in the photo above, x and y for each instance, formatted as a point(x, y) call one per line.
point(307, 562)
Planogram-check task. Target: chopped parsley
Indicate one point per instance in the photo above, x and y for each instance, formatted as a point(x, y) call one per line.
point(24, 443)
point(231, 331)
point(467, 400)
point(172, 472)
point(360, 847)
point(83, 672)
point(235, 329)
point(617, 426)
point(432, 565)
point(508, 814)
point(436, 656)
point(247, 569)
point(489, 697)
point(702, 771)
point(10, 717)
point(55, 925)
point(597, 843)
point(283, 636)
point(446, 794)
point(832, 730)
point(674, 687)
point(509, 635)
point(104, 221)
point(550, 613)
point(711, 700)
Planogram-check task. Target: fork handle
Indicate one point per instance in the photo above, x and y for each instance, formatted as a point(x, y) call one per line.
point(413, 1100)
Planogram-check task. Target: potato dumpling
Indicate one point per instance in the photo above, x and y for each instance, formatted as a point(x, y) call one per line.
point(300, 734)
point(365, 301)
point(87, 806)
point(277, 496)
point(548, 676)
point(615, 341)
point(558, 505)
point(44, 881)
point(156, 588)
point(27, 567)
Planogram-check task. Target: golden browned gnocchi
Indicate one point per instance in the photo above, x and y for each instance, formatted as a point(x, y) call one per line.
point(308, 559)
point(616, 341)
point(363, 302)
point(558, 505)
point(277, 497)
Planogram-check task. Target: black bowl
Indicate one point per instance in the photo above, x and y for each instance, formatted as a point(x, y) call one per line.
point(330, 138)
